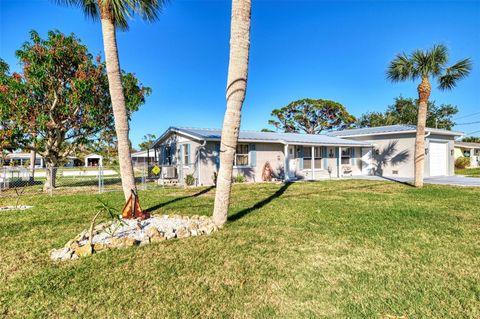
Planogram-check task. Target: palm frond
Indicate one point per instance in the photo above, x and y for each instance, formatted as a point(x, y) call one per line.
point(454, 73)
point(401, 68)
point(421, 62)
point(89, 7)
point(438, 57)
point(121, 10)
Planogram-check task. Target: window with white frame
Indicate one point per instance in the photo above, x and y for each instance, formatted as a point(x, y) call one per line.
point(346, 154)
point(186, 154)
point(307, 157)
point(241, 155)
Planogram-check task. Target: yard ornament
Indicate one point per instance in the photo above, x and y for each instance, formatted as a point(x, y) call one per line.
point(132, 209)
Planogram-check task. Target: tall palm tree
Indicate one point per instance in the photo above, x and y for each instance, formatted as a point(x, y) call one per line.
point(426, 65)
point(114, 14)
point(236, 90)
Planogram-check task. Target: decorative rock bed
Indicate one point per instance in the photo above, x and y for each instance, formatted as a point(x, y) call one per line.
point(19, 207)
point(129, 232)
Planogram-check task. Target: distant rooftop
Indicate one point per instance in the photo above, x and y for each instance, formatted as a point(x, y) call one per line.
point(467, 144)
point(389, 129)
point(255, 136)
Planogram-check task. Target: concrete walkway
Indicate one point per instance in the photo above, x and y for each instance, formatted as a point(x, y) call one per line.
point(456, 180)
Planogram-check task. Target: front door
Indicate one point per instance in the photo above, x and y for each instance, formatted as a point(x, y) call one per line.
point(367, 166)
point(292, 162)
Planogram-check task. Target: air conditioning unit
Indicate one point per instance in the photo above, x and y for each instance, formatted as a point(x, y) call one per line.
point(169, 172)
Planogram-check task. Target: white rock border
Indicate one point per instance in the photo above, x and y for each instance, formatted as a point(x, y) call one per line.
point(131, 232)
point(10, 208)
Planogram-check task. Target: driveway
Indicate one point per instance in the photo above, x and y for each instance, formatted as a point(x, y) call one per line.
point(456, 180)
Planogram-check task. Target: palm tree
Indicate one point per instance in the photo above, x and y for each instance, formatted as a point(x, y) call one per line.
point(236, 90)
point(114, 14)
point(426, 65)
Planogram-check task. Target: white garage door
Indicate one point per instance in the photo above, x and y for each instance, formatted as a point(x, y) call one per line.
point(438, 159)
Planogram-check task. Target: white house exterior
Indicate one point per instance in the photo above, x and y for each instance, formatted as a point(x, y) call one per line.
point(385, 151)
point(394, 147)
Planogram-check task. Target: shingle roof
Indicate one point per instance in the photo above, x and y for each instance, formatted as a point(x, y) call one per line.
point(389, 129)
point(252, 136)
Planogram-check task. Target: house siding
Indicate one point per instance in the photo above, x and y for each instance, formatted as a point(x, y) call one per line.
point(400, 161)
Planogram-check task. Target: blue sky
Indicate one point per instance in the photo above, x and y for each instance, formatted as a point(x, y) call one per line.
point(336, 50)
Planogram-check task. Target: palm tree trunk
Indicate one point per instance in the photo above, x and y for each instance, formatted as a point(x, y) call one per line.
point(424, 89)
point(236, 90)
point(118, 105)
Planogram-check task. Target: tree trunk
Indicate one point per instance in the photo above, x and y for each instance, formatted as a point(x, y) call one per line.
point(50, 177)
point(423, 95)
point(236, 90)
point(33, 157)
point(118, 105)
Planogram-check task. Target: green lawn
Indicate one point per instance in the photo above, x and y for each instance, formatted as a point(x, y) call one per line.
point(358, 249)
point(470, 172)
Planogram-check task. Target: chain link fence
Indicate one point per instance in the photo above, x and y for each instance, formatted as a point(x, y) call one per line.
point(64, 180)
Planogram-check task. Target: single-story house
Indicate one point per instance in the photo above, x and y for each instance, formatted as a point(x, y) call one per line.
point(142, 158)
point(386, 151)
point(23, 158)
point(394, 147)
point(468, 149)
point(93, 160)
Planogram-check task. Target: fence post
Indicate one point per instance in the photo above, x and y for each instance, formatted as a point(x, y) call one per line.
point(99, 175)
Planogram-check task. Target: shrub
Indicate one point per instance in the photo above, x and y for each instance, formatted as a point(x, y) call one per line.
point(239, 179)
point(462, 162)
point(189, 180)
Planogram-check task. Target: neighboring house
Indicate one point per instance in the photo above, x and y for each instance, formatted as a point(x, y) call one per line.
point(142, 158)
point(93, 160)
point(184, 151)
point(468, 149)
point(394, 148)
point(22, 158)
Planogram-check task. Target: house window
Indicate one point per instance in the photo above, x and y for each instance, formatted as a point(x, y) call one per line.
point(307, 157)
point(186, 154)
point(241, 156)
point(346, 154)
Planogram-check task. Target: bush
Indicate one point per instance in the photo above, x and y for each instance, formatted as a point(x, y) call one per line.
point(462, 162)
point(239, 179)
point(189, 180)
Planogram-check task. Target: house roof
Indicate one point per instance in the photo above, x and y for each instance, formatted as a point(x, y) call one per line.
point(144, 153)
point(389, 129)
point(265, 137)
point(467, 144)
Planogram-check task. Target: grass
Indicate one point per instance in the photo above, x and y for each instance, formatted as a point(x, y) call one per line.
point(470, 172)
point(333, 249)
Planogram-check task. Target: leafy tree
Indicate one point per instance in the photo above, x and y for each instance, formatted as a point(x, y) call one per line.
point(114, 14)
point(147, 142)
point(426, 65)
point(404, 111)
point(471, 139)
point(311, 116)
point(61, 99)
point(236, 91)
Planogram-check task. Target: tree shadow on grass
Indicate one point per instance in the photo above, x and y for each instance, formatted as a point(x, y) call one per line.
point(203, 191)
point(260, 204)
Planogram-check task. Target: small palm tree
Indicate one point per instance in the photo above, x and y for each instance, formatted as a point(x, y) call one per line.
point(114, 14)
point(426, 65)
point(236, 90)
